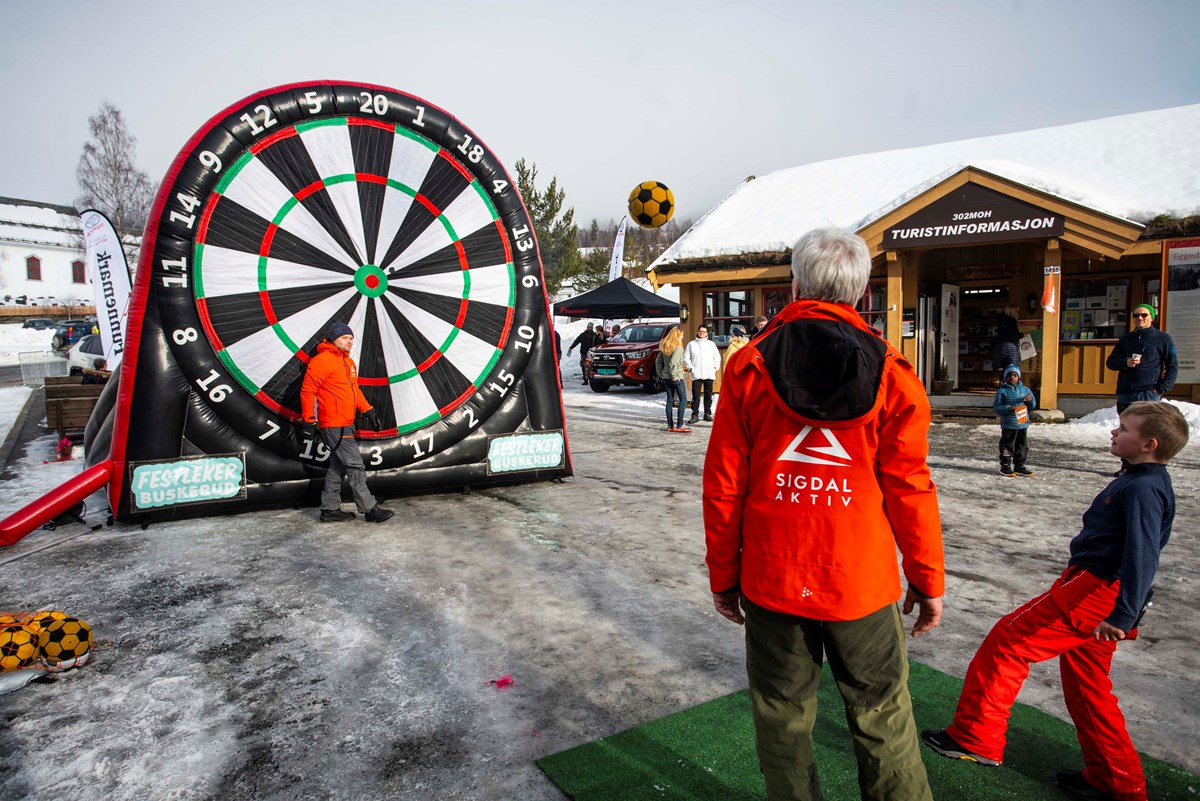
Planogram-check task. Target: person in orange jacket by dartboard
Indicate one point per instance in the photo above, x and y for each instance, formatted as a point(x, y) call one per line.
point(329, 397)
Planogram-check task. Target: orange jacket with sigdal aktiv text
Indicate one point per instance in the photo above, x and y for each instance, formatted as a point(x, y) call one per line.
point(331, 380)
point(816, 470)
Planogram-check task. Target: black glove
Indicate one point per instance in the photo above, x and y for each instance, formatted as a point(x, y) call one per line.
point(311, 429)
point(373, 421)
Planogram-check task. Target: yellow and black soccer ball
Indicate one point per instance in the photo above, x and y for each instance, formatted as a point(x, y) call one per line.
point(18, 647)
point(64, 642)
point(651, 204)
point(43, 618)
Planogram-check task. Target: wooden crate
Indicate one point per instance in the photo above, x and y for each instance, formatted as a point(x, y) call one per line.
point(69, 402)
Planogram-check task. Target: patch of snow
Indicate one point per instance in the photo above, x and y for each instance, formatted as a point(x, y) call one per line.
point(15, 340)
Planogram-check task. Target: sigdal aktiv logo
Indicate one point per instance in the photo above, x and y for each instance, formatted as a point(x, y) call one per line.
point(816, 446)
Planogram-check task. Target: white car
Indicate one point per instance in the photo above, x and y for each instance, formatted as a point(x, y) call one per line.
point(84, 353)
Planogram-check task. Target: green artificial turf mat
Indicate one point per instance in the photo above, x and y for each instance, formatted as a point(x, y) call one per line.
point(706, 753)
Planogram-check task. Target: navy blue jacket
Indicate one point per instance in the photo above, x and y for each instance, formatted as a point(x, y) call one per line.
point(1158, 368)
point(1123, 533)
point(1009, 395)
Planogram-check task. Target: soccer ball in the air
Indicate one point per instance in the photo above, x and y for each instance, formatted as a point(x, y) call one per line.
point(18, 647)
point(651, 204)
point(65, 642)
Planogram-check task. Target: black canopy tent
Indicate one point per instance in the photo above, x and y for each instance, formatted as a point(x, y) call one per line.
point(616, 300)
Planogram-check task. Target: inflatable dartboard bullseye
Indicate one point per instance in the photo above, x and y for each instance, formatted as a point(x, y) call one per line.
point(296, 208)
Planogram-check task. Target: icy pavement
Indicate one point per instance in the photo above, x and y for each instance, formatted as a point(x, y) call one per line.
point(268, 656)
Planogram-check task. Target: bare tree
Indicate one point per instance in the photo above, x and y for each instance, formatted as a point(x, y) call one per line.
point(109, 179)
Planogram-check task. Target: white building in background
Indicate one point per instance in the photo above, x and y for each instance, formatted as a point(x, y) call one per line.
point(42, 257)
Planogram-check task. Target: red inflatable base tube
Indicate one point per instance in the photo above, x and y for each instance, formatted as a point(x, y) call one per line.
point(54, 503)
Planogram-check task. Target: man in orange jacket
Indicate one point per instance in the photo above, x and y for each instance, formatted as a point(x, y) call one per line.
point(816, 471)
point(331, 381)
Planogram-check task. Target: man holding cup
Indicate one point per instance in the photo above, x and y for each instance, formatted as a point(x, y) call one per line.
point(1145, 361)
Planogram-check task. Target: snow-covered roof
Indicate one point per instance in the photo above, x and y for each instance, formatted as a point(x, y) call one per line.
point(1134, 167)
point(36, 223)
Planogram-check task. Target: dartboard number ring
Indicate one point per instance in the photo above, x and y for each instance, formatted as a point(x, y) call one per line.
point(316, 204)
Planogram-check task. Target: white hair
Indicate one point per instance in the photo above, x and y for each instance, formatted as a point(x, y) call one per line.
point(831, 265)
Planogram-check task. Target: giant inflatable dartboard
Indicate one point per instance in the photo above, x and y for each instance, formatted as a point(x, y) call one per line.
point(316, 203)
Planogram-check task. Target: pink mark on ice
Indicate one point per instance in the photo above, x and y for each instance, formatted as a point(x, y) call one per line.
point(502, 683)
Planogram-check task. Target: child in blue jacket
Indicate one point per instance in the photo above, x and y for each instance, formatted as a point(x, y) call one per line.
point(1014, 401)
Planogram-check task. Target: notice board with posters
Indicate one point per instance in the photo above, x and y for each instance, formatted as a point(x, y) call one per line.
point(1183, 305)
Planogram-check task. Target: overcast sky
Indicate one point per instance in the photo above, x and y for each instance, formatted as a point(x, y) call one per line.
point(696, 94)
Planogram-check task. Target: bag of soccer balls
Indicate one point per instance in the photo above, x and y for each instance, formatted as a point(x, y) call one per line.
point(33, 644)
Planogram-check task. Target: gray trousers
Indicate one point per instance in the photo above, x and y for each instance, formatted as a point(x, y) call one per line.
point(870, 665)
point(344, 459)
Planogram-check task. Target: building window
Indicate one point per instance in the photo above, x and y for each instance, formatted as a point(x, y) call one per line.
point(77, 274)
point(1095, 308)
point(722, 310)
point(873, 306)
point(33, 268)
point(774, 300)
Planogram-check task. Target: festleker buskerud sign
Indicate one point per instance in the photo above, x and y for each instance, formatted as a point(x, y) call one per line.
point(972, 215)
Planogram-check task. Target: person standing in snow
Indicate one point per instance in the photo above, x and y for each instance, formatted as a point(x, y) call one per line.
point(1145, 361)
point(329, 398)
point(702, 359)
point(1013, 402)
point(668, 367)
point(815, 475)
point(585, 341)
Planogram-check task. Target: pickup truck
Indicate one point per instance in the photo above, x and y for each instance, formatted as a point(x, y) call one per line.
point(627, 359)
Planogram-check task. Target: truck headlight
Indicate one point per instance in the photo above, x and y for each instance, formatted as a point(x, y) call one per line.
point(639, 354)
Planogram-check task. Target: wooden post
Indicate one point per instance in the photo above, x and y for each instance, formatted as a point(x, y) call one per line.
point(1051, 326)
point(895, 296)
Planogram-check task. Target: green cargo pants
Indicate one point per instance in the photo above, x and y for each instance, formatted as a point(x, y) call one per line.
point(870, 664)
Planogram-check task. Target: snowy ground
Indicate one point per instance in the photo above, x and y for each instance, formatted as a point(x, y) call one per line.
point(266, 656)
point(15, 340)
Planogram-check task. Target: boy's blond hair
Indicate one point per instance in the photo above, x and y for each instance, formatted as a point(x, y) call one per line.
point(1163, 422)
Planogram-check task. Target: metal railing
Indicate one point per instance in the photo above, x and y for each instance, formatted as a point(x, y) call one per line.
point(36, 365)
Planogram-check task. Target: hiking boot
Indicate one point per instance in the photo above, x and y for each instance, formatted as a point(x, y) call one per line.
point(708, 418)
point(1022, 470)
point(1073, 781)
point(1006, 469)
point(335, 516)
point(942, 743)
point(378, 514)
point(693, 420)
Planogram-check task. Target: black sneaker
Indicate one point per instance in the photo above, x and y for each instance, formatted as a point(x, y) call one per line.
point(1073, 781)
point(708, 418)
point(335, 516)
point(693, 420)
point(942, 743)
point(1022, 470)
point(1005, 470)
point(378, 514)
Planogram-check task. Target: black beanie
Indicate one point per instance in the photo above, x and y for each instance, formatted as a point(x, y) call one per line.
point(338, 330)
